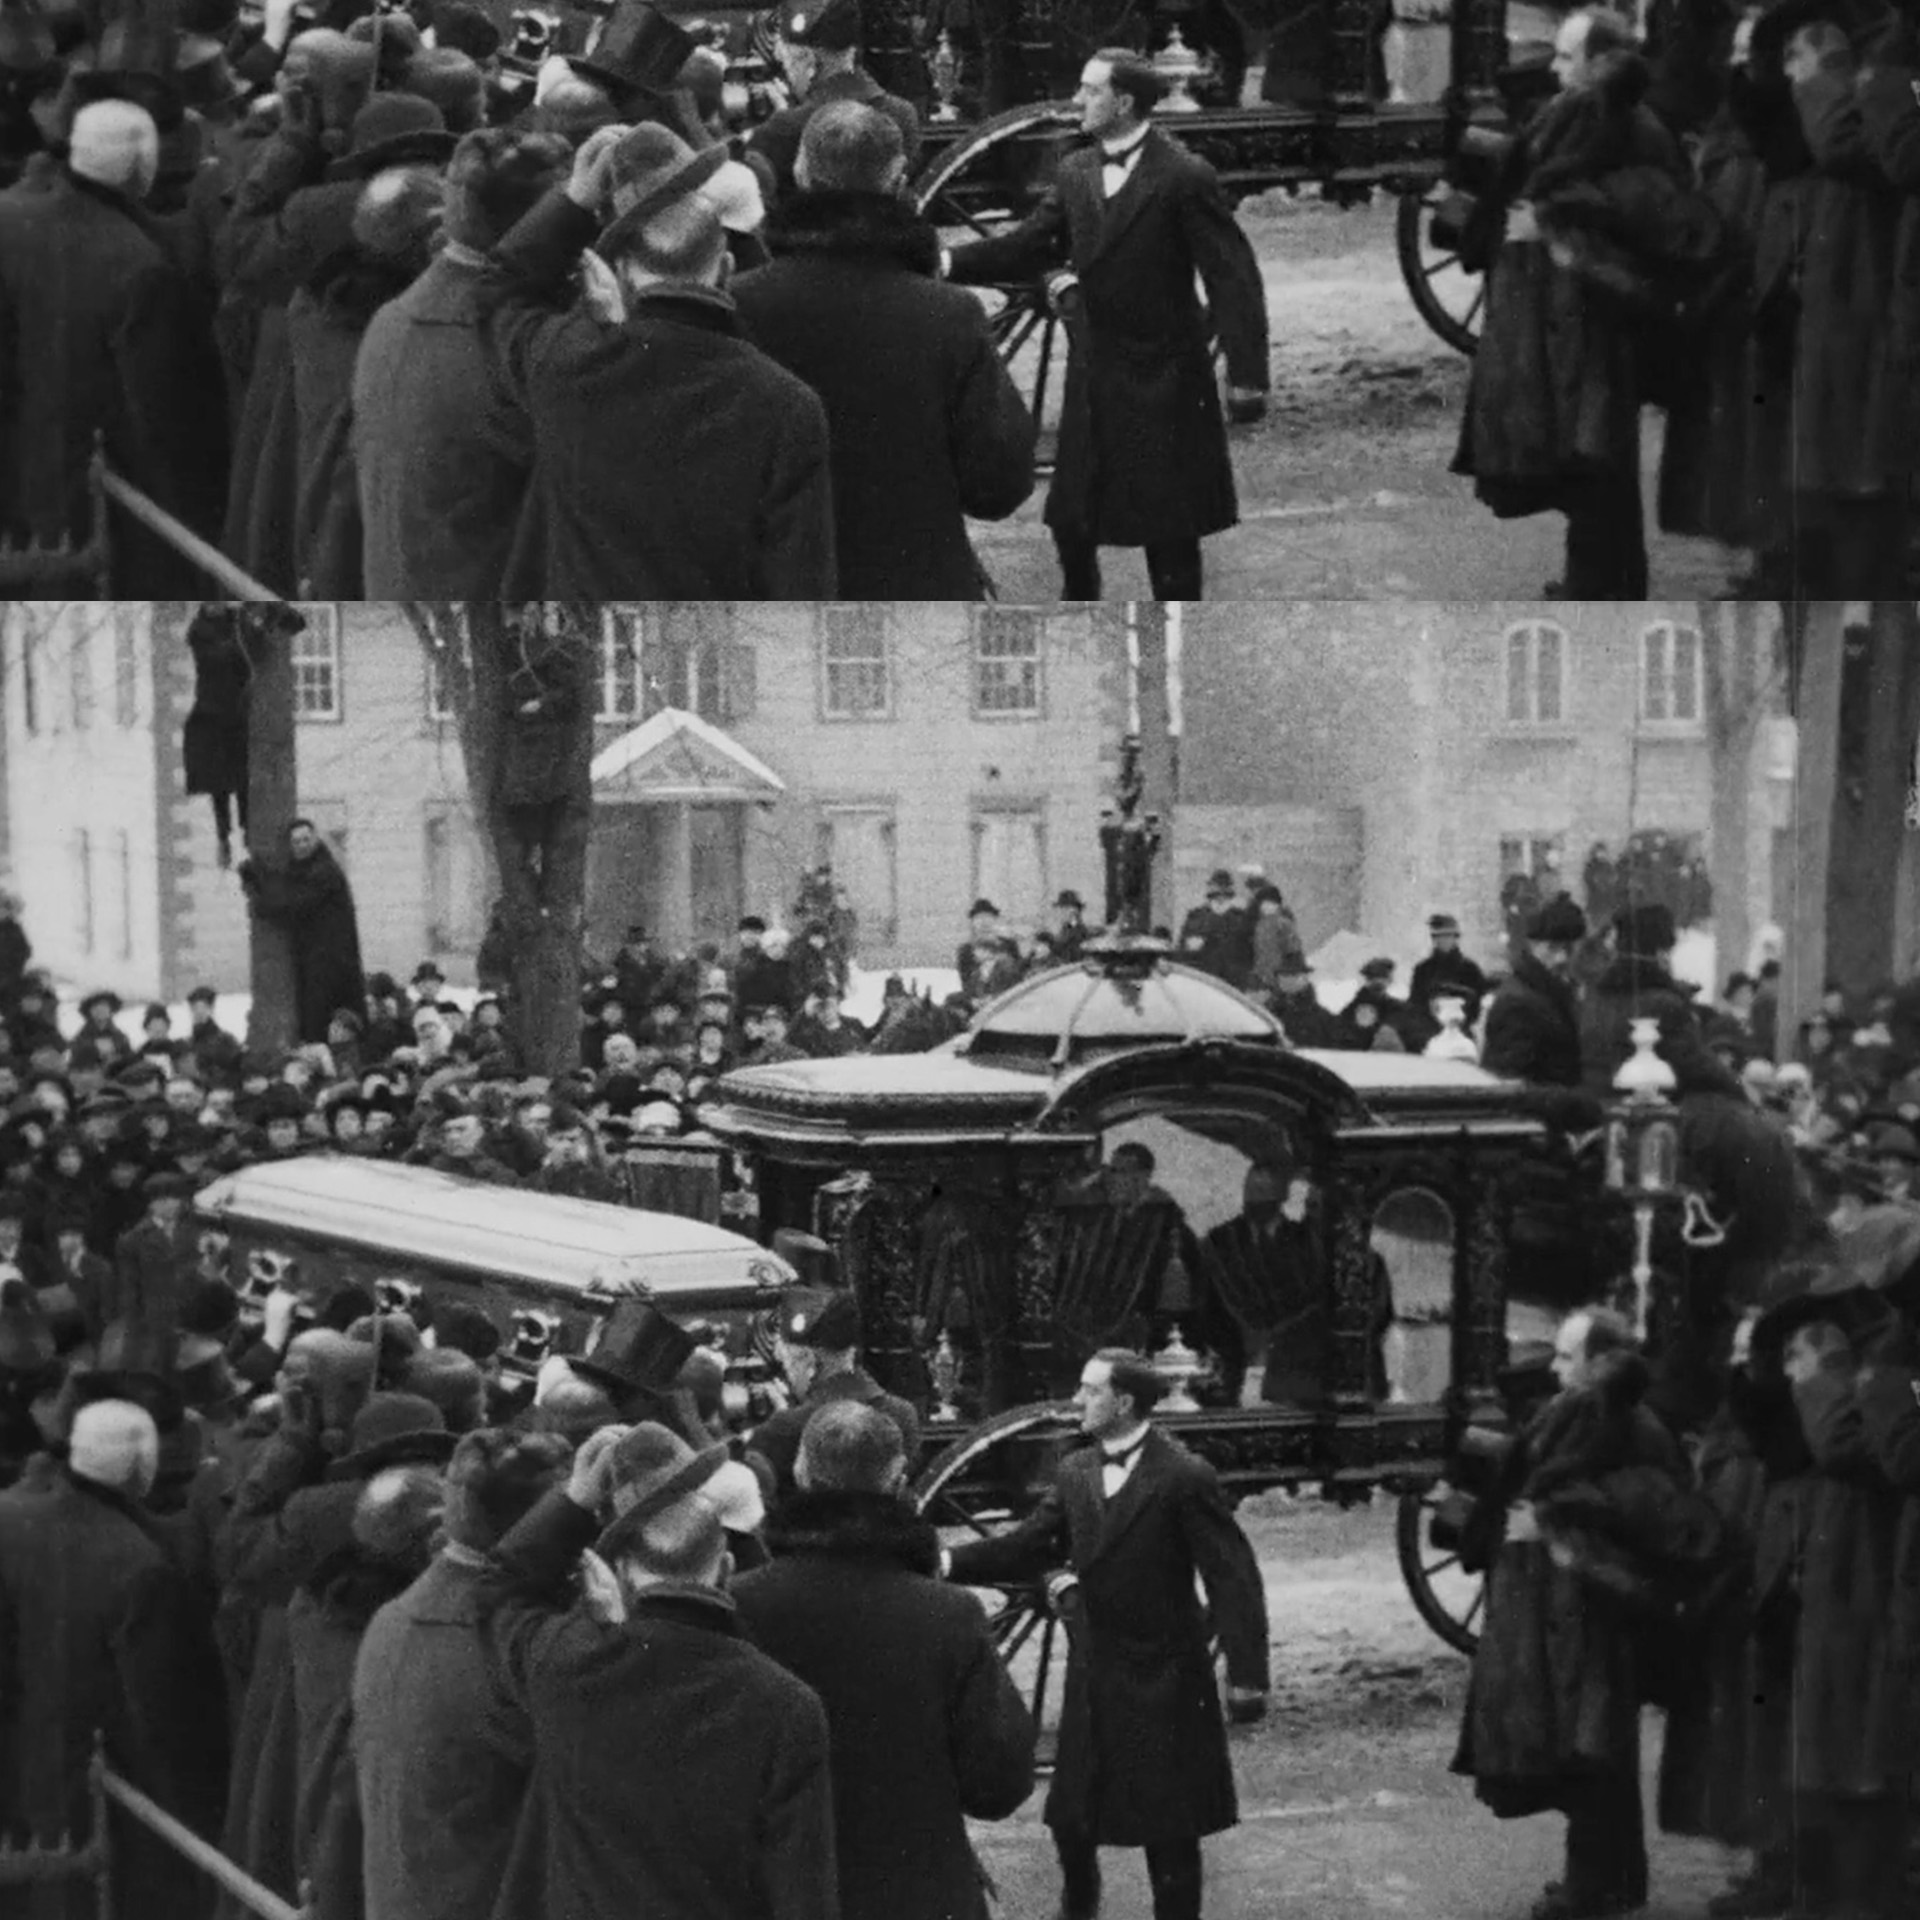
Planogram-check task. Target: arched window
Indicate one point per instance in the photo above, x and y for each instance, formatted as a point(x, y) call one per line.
point(1536, 674)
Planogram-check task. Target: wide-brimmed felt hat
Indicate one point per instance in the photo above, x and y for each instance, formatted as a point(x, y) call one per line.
point(102, 996)
point(394, 1430)
point(391, 130)
point(654, 1469)
point(1801, 1293)
point(652, 169)
point(638, 1348)
point(638, 50)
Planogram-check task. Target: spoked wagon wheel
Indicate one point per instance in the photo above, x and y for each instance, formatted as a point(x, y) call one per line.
point(1449, 1599)
point(980, 1485)
point(1449, 298)
point(980, 187)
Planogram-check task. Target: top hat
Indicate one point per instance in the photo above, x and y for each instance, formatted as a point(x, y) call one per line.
point(389, 131)
point(638, 1347)
point(638, 50)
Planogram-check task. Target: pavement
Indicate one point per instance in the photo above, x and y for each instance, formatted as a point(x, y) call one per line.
point(1344, 489)
point(1348, 1807)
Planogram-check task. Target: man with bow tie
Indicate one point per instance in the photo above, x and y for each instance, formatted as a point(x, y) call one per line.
point(1143, 1756)
point(1129, 222)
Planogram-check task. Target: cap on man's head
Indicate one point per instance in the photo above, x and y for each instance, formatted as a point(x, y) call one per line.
point(826, 1322)
point(1381, 970)
point(1442, 923)
point(202, 997)
point(828, 26)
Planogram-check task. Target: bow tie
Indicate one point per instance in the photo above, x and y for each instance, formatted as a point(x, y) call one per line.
point(1126, 1454)
point(1120, 163)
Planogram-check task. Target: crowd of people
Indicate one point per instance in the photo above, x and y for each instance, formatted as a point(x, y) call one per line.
point(380, 315)
point(1710, 220)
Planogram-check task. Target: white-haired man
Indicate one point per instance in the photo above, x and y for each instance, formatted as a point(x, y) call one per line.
point(80, 1573)
point(100, 334)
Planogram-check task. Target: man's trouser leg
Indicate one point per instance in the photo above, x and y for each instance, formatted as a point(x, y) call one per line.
point(1607, 1845)
point(1173, 569)
point(1607, 539)
point(1079, 1873)
point(1079, 565)
point(1173, 1868)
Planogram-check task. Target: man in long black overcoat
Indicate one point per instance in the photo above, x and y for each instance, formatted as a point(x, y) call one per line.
point(1143, 1756)
point(310, 898)
point(1143, 458)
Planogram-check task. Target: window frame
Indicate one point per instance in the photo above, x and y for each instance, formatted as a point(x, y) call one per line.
point(875, 933)
point(322, 631)
point(1662, 638)
point(830, 628)
point(126, 667)
point(988, 624)
point(1532, 632)
point(81, 692)
point(623, 665)
point(1029, 807)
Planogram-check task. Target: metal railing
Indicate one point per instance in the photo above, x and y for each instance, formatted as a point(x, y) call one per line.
point(36, 1865)
point(42, 569)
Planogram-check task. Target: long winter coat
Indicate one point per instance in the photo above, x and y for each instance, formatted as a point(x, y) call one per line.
point(312, 901)
point(1558, 1678)
point(1630, 990)
point(1889, 1400)
point(1890, 119)
point(1218, 943)
point(444, 1762)
point(100, 334)
point(1557, 382)
point(672, 460)
point(927, 1728)
point(1851, 1734)
point(442, 455)
point(679, 1770)
point(1143, 451)
point(99, 1630)
point(1143, 1751)
point(776, 140)
point(776, 1441)
point(286, 229)
point(927, 426)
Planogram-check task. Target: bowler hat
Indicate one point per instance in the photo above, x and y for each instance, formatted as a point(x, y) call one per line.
point(638, 50)
point(393, 1430)
point(389, 131)
point(983, 905)
point(638, 1348)
point(814, 1317)
point(1559, 923)
point(1068, 898)
point(1220, 883)
point(426, 970)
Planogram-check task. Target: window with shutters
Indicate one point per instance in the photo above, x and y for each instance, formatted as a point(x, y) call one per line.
point(1536, 668)
point(1530, 856)
point(1671, 675)
point(856, 680)
point(455, 882)
point(694, 663)
point(1007, 664)
point(1010, 861)
point(316, 665)
point(860, 842)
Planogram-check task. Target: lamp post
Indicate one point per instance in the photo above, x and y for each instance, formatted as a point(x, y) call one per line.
point(1643, 1153)
point(1129, 840)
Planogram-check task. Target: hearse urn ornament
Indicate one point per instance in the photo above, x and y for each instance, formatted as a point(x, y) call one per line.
point(1129, 841)
point(943, 1368)
point(1179, 1366)
point(1453, 1041)
point(1643, 1152)
point(1179, 67)
point(944, 71)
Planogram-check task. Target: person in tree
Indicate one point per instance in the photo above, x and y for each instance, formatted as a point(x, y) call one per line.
point(309, 897)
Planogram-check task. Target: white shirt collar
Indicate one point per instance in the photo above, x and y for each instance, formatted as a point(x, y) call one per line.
point(1125, 1443)
point(1112, 152)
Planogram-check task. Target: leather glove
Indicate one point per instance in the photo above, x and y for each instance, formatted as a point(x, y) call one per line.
point(1246, 406)
point(1246, 1706)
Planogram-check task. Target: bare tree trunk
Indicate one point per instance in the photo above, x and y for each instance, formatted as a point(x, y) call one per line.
point(1820, 660)
point(273, 800)
point(1736, 703)
point(540, 852)
point(1158, 754)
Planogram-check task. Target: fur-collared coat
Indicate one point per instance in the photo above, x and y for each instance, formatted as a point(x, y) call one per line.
point(928, 429)
point(1143, 1747)
point(927, 1729)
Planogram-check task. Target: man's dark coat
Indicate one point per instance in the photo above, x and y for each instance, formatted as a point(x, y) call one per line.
point(927, 426)
point(777, 1438)
point(1533, 1029)
point(1143, 1748)
point(99, 1631)
point(311, 900)
point(672, 460)
point(777, 140)
point(99, 333)
point(1218, 943)
point(679, 1770)
point(1143, 444)
point(443, 457)
point(927, 1728)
